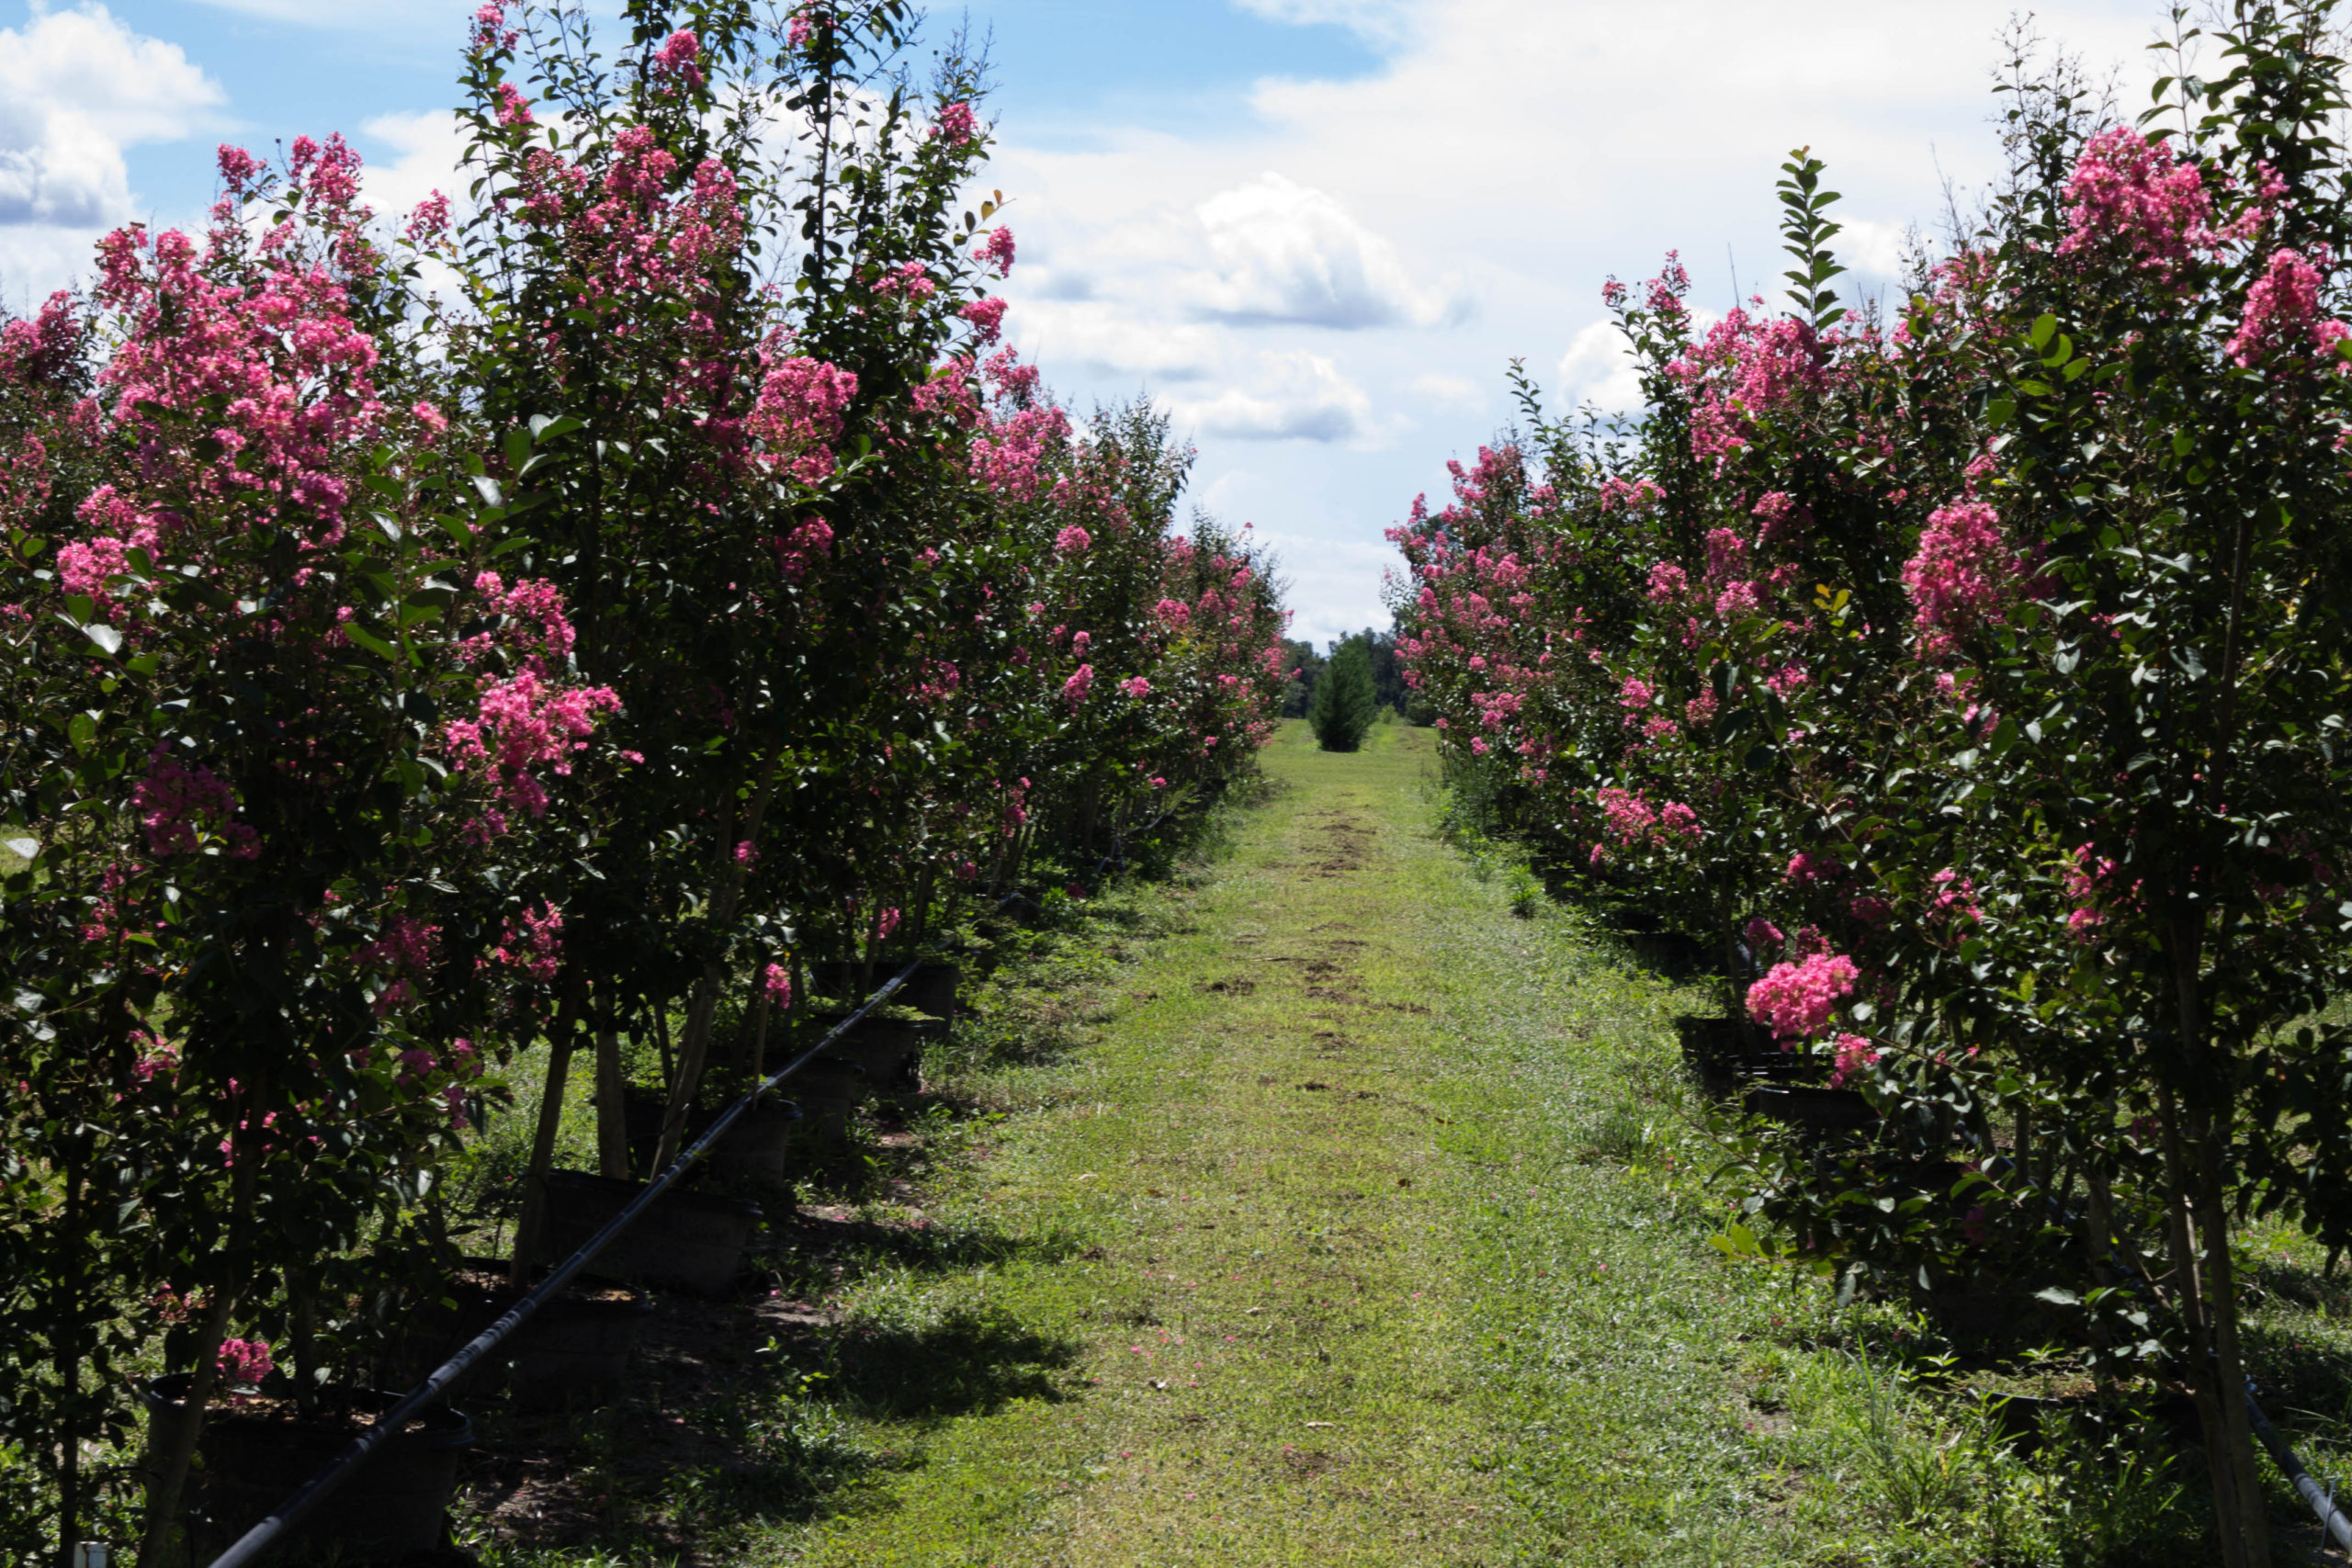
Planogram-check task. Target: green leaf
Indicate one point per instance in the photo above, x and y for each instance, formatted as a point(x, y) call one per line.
point(109, 640)
point(23, 848)
point(371, 641)
point(2045, 327)
point(489, 489)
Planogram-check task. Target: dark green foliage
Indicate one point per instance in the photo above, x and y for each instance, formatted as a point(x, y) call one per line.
point(1344, 706)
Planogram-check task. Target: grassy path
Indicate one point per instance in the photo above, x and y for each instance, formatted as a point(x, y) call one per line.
point(1317, 1207)
point(1331, 1225)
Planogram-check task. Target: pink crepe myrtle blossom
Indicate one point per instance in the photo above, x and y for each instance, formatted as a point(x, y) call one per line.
point(523, 723)
point(243, 1363)
point(2131, 194)
point(1668, 581)
point(1739, 598)
point(1798, 1000)
point(1869, 908)
point(1136, 687)
point(1172, 612)
point(1854, 1053)
point(2281, 311)
point(799, 413)
point(1677, 821)
point(987, 317)
point(1073, 540)
point(1632, 696)
point(178, 805)
point(886, 924)
point(1076, 689)
point(776, 980)
point(1700, 709)
point(746, 853)
point(998, 250)
point(1763, 936)
point(677, 56)
point(537, 946)
point(1806, 868)
point(955, 124)
point(514, 108)
point(1961, 570)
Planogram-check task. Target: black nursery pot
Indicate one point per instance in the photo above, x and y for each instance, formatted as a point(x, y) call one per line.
point(887, 1051)
point(688, 1240)
point(931, 988)
point(396, 1506)
point(1813, 1110)
point(574, 1350)
point(756, 1147)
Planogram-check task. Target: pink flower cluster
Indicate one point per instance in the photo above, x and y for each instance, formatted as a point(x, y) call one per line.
point(777, 981)
point(2131, 194)
point(955, 125)
point(1854, 1053)
point(538, 947)
point(176, 803)
point(1962, 568)
point(245, 1363)
point(524, 723)
point(798, 414)
point(1798, 1000)
point(2282, 310)
point(1076, 689)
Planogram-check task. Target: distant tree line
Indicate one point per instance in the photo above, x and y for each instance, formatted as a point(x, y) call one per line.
point(1387, 676)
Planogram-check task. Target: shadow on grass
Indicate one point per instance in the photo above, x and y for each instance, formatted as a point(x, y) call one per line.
point(960, 1362)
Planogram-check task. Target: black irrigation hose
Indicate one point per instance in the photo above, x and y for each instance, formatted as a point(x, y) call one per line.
point(306, 1500)
point(2331, 1517)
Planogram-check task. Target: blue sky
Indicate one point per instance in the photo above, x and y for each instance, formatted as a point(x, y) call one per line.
point(1317, 230)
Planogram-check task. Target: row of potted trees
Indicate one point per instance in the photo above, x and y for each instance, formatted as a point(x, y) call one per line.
point(1967, 676)
point(566, 615)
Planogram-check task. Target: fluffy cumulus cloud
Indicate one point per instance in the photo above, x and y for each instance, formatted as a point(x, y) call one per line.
point(1281, 251)
point(76, 88)
point(1336, 268)
point(1293, 396)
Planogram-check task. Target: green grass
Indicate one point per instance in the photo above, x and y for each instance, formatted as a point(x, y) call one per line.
point(1339, 1202)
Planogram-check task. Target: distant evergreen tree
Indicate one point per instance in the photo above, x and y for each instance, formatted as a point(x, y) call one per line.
point(1344, 706)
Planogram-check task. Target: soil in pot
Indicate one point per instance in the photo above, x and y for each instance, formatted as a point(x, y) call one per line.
point(255, 1453)
point(691, 1241)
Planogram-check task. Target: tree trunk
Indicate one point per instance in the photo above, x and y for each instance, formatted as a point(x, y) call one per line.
point(612, 1112)
point(561, 1040)
point(166, 1463)
point(759, 1005)
point(2218, 1390)
point(694, 1046)
point(66, 1346)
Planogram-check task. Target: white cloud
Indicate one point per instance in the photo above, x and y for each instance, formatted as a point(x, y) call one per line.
point(1599, 369)
point(1381, 21)
point(1873, 248)
point(1294, 397)
point(1510, 154)
point(374, 14)
point(426, 148)
point(76, 87)
point(1284, 251)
